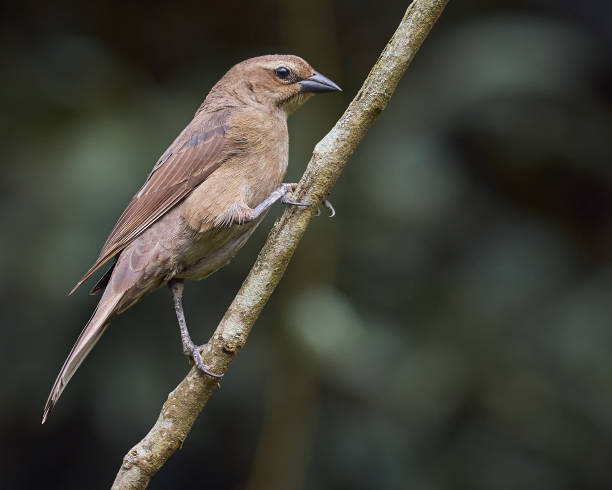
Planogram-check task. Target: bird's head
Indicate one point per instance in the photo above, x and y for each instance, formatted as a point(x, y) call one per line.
point(276, 82)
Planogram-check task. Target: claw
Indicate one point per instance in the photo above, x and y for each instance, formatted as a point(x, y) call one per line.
point(287, 188)
point(327, 205)
point(330, 206)
point(197, 359)
point(286, 200)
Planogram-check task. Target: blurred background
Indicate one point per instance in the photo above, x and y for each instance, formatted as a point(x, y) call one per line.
point(451, 328)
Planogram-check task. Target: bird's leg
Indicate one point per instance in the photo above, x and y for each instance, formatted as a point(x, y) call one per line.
point(281, 192)
point(189, 348)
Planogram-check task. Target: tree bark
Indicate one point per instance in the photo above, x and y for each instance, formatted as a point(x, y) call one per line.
point(329, 158)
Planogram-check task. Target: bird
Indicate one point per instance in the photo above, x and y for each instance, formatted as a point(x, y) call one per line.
point(203, 198)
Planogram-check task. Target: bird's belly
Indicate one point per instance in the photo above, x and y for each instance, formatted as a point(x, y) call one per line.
point(213, 249)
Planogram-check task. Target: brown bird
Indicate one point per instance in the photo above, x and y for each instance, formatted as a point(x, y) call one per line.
point(204, 197)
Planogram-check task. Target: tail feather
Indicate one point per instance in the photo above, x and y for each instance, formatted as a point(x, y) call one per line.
point(90, 335)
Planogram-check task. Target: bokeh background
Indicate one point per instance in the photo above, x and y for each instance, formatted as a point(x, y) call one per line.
point(451, 328)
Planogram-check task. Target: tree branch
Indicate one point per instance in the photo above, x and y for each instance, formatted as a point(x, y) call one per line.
point(329, 158)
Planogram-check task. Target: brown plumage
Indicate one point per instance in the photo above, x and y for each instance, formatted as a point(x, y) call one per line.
point(203, 198)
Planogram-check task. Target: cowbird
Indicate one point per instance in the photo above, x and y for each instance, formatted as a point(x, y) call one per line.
point(203, 198)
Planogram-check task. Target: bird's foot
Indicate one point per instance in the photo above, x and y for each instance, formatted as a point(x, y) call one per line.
point(327, 205)
point(192, 351)
point(286, 189)
point(281, 192)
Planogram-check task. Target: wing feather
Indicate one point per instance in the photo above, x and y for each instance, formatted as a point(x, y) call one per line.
point(192, 157)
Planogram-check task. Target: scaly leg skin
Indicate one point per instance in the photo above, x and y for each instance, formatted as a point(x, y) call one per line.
point(189, 348)
point(281, 192)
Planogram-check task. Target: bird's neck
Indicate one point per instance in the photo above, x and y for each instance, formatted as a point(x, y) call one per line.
point(222, 97)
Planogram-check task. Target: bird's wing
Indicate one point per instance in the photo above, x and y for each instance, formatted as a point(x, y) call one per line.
point(192, 157)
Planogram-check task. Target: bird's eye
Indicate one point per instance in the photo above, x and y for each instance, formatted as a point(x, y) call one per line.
point(282, 72)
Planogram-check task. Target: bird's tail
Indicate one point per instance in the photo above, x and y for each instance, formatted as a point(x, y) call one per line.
point(90, 335)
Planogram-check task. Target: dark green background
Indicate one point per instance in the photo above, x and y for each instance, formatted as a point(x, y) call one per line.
point(451, 328)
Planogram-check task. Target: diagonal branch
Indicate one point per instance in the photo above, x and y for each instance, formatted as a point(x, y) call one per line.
point(329, 158)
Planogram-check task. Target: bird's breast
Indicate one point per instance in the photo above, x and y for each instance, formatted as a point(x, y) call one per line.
point(265, 157)
point(257, 156)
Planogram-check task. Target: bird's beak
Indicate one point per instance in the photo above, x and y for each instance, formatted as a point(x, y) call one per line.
point(318, 83)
